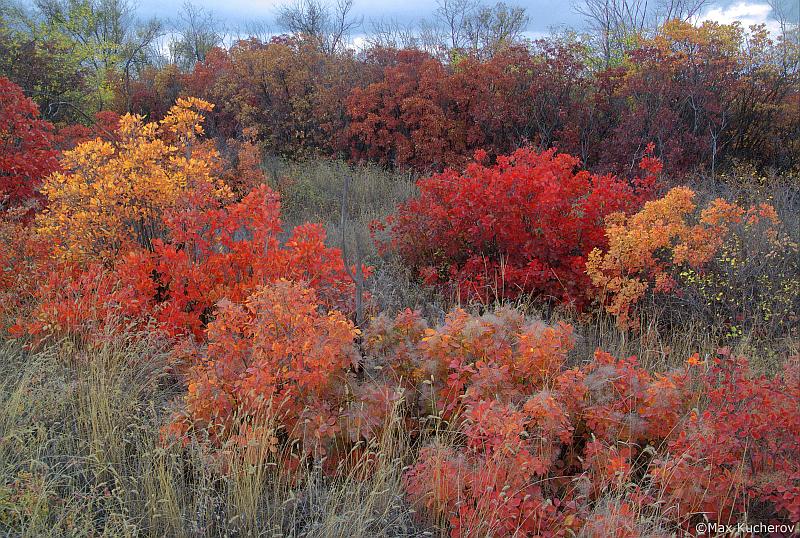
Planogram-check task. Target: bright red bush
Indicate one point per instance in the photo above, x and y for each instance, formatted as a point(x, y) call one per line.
point(209, 255)
point(24, 258)
point(26, 147)
point(522, 226)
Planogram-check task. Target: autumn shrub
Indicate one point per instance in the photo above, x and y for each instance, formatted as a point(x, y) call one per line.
point(112, 195)
point(105, 126)
point(751, 286)
point(704, 94)
point(278, 361)
point(530, 431)
point(146, 229)
point(242, 168)
point(522, 226)
point(408, 117)
point(24, 258)
point(714, 260)
point(209, 255)
point(542, 453)
point(27, 154)
point(739, 455)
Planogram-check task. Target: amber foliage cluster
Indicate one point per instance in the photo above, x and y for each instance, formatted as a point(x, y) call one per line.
point(646, 248)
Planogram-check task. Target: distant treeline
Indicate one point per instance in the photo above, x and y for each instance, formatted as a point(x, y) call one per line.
point(703, 94)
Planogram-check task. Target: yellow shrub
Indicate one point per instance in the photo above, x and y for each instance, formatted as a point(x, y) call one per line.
point(113, 194)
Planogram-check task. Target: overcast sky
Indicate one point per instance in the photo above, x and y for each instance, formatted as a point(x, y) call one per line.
point(544, 14)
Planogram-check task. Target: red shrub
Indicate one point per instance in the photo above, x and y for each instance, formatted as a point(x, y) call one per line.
point(522, 226)
point(24, 257)
point(277, 361)
point(26, 146)
point(742, 452)
point(210, 255)
point(541, 454)
point(106, 124)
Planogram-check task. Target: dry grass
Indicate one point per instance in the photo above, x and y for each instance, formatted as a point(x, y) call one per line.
point(80, 455)
point(311, 191)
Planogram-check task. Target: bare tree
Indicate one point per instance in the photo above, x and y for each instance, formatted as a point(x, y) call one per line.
point(329, 26)
point(137, 54)
point(611, 22)
point(255, 28)
point(787, 13)
point(492, 28)
point(616, 24)
point(198, 31)
point(683, 10)
point(389, 33)
point(453, 16)
point(432, 38)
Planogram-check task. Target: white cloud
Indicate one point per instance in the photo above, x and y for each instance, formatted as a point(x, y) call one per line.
point(748, 13)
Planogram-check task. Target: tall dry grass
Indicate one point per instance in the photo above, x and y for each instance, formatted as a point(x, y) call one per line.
point(81, 455)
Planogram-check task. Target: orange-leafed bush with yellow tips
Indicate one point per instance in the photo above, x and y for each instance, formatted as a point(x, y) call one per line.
point(143, 230)
point(513, 441)
point(498, 355)
point(648, 251)
point(526, 422)
point(113, 195)
point(277, 361)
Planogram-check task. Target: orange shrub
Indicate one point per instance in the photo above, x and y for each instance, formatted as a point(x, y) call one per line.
point(277, 361)
point(497, 355)
point(647, 250)
point(112, 195)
